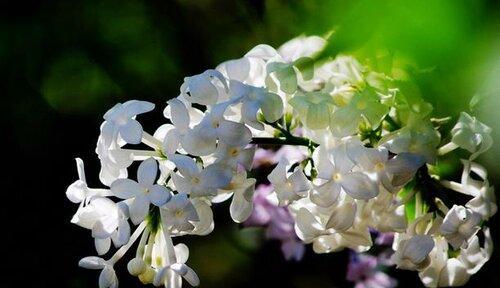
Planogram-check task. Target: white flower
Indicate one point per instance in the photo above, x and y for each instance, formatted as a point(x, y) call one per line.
point(302, 46)
point(178, 213)
point(443, 271)
point(459, 225)
point(79, 191)
point(343, 71)
point(199, 182)
point(335, 168)
point(206, 223)
point(170, 263)
point(314, 108)
point(242, 190)
point(203, 137)
point(143, 192)
point(249, 70)
point(107, 278)
point(472, 135)
point(332, 231)
point(112, 167)
point(357, 238)
point(391, 173)
point(254, 99)
point(413, 253)
point(288, 188)
point(422, 140)
point(474, 256)
point(180, 118)
point(234, 155)
point(120, 120)
point(107, 221)
point(484, 200)
point(204, 88)
point(364, 105)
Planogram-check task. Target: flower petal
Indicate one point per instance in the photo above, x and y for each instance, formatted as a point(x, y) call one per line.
point(125, 188)
point(139, 209)
point(131, 132)
point(359, 186)
point(159, 195)
point(146, 174)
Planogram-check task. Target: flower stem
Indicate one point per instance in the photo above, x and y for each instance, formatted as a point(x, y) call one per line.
point(296, 141)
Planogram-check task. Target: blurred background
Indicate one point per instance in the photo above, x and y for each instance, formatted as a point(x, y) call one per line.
point(64, 63)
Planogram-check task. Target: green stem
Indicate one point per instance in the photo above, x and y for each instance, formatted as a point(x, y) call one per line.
point(394, 125)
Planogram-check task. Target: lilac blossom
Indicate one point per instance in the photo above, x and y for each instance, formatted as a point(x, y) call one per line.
point(362, 270)
point(278, 221)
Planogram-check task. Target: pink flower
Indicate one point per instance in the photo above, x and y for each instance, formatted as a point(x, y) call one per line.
point(263, 157)
point(385, 239)
point(279, 223)
point(362, 269)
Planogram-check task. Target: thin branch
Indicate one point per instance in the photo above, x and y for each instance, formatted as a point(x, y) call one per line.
point(296, 141)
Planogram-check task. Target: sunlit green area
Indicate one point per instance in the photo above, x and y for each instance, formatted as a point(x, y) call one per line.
point(77, 58)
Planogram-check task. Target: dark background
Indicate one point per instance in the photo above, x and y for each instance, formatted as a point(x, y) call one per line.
point(64, 63)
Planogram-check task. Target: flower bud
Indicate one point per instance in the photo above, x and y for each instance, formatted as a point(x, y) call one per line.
point(136, 266)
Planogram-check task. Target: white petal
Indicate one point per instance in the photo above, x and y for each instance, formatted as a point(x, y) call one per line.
point(107, 278)
point(135, 107)
point(131, 132)
point(453, 274)
point(342, 217)
point(278, 175)
point(216, 176)
point(171, 141)
point(249, 111)
point(326, 194)
point(272, 107)
point(187, 273)
point(240, 209)
point(205, 223)
point(301, 184)
point(181, 184)
point(92, 262)
point(102, 245)
point(237, 69)
point(139, 209)
point(122, 235)
point(77, 191)
point(418, 247)
point(159, 195)
point(186, 165)
point(233, 133)
point(181, 253)
point(125, 188)
point(146, 174)
point(306, 226)
point(359, 186)
point(179, 114)
point(262, 51)
point(197, 143)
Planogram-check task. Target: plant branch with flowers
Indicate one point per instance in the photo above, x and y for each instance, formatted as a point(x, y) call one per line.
point(370, 152)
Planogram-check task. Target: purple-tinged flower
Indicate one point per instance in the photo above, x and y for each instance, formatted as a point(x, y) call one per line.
point(263, 157)
point(385, 239)
point(291, 153)
point(362, 269)
point(278, 221)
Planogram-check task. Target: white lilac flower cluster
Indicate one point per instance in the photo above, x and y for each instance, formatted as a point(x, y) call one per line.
point(370, 152)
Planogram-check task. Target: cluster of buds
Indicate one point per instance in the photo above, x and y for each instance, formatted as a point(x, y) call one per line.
point(370, 152)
